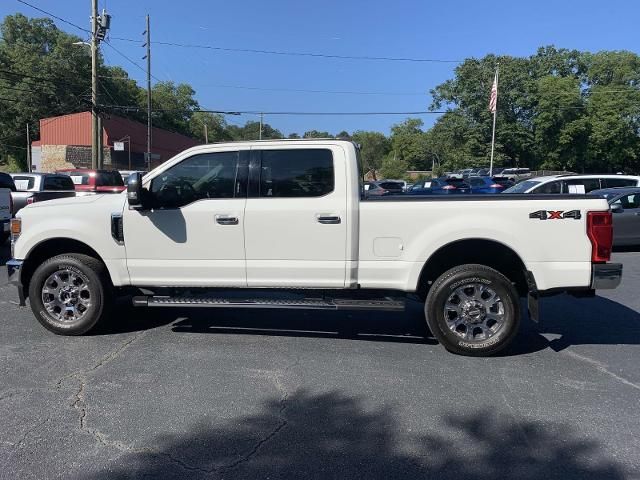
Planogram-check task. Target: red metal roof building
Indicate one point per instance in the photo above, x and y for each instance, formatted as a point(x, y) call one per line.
point(65, 142)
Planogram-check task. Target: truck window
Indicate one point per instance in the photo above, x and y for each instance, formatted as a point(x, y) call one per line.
point(24, 182)
point(583, 185)
point(58, 183)
point(551, 187)
point(201, 177)
point(296, 173)
point(618, 182)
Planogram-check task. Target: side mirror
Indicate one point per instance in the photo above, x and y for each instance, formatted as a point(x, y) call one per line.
point(617, 208)
point(134, 190)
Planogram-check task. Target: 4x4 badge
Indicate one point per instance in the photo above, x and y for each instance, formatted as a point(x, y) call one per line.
point(555, 214)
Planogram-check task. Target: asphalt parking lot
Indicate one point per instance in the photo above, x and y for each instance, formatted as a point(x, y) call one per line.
point(292, 394)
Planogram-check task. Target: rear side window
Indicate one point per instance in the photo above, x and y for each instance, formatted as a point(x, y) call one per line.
point(58, 183)
point(24, 183)
point(296, 173)
point(551, 187)
point(7, 182)
point(581, 185)
point(476, 182)
point(109, 179)
point(618, 182)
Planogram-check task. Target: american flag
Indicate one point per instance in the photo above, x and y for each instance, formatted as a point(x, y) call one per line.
point(493, 101)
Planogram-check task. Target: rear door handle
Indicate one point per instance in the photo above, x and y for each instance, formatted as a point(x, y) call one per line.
point(224, 220)
point(328, 219)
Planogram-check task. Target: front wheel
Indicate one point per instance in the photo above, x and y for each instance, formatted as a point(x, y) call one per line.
point(70, 294)
point(473, 310)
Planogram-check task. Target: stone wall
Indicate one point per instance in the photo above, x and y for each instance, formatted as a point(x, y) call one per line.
point(54, 157)
point(58, 157)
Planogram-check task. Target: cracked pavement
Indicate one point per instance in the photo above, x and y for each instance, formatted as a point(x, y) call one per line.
point(267, 394)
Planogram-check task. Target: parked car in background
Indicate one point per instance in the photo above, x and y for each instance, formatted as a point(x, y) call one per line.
point(625, 207)
point(89, 181)
point(7, 186)
point(515, 173)
point(393, 186)
point(579, 184)
point(440, 186)
point(374, 190)
point(504, 181)
point(484, 185)
point(39, 187)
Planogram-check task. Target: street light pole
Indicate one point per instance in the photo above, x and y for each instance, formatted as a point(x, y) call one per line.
point(95, 162)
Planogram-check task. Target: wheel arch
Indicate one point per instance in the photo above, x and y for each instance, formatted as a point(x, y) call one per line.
point(50, 248)
point(490, 253)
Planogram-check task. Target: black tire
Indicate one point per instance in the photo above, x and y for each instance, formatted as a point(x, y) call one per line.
point(476, 335)
point(96, 292)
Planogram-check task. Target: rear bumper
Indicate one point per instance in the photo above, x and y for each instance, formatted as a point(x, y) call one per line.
point(606, 276)
point(14, 270)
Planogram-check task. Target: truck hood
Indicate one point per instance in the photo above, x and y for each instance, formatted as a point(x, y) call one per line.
point(71, 202)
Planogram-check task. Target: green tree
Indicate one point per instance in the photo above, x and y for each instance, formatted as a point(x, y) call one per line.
point(409, 144)
point(43, 74)
point(173, 106)
point(393, 166)
point(251, 131)
point(374, 147)
point(215, 125)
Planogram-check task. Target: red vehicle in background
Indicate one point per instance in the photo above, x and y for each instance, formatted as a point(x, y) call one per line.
point(89, 181)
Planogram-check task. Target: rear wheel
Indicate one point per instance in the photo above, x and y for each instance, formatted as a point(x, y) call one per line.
point(473, 310)
point(70, 294)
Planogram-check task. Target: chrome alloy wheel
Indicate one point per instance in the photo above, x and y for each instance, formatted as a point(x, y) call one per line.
point(66, 295)
point(474, 312)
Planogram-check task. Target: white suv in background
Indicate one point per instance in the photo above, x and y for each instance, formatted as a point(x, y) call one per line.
point(573, 183)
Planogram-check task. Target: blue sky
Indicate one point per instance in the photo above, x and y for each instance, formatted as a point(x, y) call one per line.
point(402, 28)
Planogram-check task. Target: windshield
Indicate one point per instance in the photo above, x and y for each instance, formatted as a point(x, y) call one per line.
point(522, 187)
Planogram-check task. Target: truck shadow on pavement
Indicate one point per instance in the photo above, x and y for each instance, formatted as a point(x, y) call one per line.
point(566, 321)
point(332, 435)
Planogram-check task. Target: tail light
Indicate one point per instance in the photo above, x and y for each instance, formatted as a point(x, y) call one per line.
point(30, 200)
point(600, 232)
point(15, 228)
point(449, 187)
point(496, 185)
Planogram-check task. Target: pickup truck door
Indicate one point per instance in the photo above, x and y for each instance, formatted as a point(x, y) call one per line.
point(194, 235)
point(296, 217)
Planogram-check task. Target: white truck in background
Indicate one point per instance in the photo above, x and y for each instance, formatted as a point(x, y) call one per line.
point(290, 215)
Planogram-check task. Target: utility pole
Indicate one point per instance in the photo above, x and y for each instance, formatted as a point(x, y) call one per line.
point(94, 85)
point(261, 122)
point(206, 134)
point(99, 26)
point(28, 149)
point(148, 57)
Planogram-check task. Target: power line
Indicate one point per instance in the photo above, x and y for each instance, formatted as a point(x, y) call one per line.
point(303, 90)
point(258, 112)
point(296, 54)
point(54, 16)
point(129, 59)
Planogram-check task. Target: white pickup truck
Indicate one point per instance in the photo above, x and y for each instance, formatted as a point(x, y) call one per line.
point(290, 215)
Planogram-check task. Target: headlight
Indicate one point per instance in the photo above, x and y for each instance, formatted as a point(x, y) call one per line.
point(16, 230)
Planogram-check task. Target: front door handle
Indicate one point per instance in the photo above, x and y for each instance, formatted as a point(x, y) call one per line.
point(328, 219)
point(224, 220)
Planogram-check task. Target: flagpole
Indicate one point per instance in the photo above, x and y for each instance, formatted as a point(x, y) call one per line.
point(495, 113)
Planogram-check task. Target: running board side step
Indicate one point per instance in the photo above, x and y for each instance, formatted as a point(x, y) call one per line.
point(387, 304)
